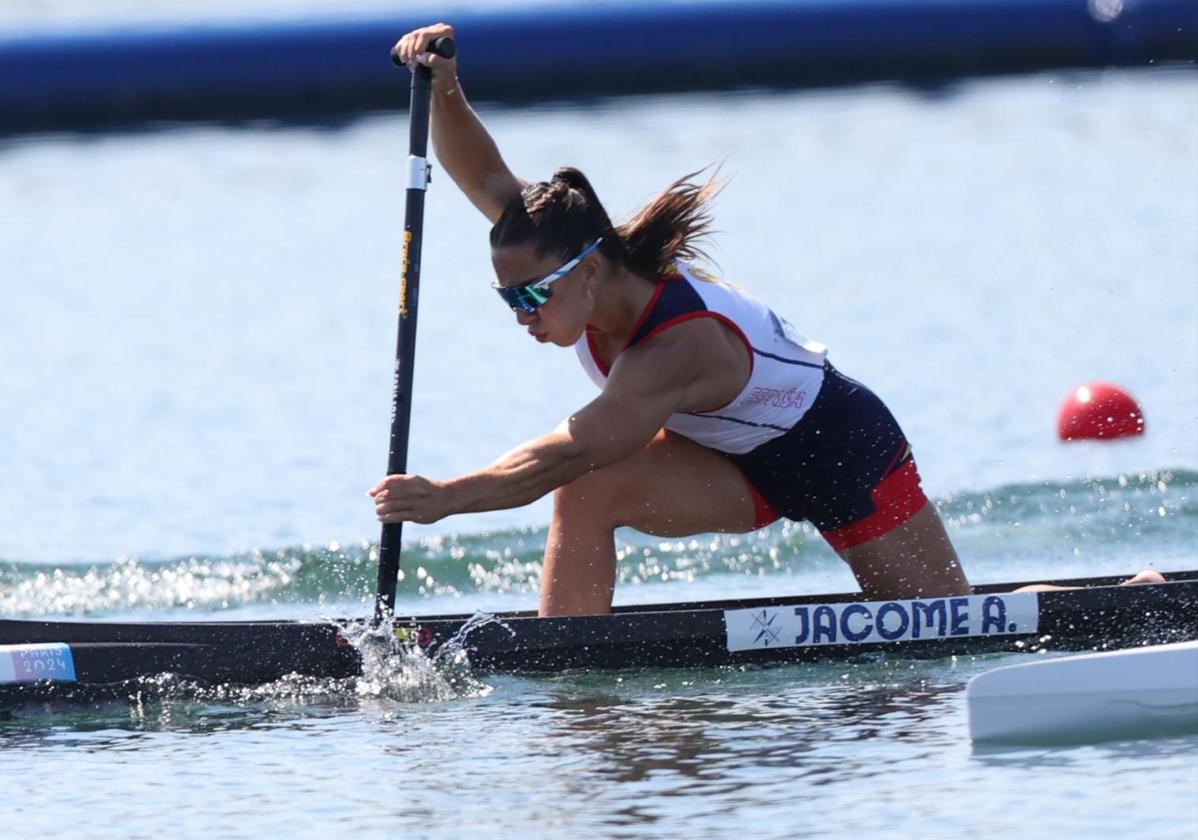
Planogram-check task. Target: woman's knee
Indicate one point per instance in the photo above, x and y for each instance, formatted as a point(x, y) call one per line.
point(595, 496)
point(672, 487)
point(625, 493)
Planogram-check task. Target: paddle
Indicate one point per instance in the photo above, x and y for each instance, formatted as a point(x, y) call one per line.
point(409, 294)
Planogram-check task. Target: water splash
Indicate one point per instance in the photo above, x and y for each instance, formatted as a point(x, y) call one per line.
point(407, 673)
point(390, 672)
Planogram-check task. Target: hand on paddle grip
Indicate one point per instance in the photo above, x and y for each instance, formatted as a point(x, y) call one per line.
point(430, 46)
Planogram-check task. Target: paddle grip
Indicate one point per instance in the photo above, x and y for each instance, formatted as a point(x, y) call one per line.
point(443, 47)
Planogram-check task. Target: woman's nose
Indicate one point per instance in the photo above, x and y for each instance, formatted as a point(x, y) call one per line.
point(525, 318)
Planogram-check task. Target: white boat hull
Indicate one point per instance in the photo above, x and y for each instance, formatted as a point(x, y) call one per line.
point(1135, 692)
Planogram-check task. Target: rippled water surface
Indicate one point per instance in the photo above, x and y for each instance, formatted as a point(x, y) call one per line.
point(810, 752)
point(196, 343)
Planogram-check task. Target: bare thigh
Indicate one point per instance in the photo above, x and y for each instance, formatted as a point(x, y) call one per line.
point(915, 560)
point(673, 487)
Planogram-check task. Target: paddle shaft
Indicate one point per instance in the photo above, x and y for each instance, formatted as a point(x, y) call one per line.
point(409, 295)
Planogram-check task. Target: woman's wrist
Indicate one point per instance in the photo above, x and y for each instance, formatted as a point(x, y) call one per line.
point(447, 88)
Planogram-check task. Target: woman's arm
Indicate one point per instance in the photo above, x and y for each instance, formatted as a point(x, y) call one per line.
point(461, 141)
point(690, 367)
point(604, 431)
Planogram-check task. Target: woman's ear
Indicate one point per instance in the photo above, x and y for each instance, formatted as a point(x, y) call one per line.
point(590, 273)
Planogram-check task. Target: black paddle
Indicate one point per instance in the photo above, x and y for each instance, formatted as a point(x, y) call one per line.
point(409, 294)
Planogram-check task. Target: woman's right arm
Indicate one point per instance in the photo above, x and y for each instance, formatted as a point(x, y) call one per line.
point(460, 139)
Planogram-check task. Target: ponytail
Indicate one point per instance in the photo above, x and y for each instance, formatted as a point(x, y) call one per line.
point(563, 216)
point(669, 227)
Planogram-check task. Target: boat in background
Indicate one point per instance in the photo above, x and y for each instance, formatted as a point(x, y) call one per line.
point(1135, 692)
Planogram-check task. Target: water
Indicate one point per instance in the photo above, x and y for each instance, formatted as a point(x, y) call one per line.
point(195, 357)
point(785, 752)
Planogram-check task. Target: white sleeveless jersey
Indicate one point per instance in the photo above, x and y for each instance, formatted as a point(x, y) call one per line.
point(787, 366)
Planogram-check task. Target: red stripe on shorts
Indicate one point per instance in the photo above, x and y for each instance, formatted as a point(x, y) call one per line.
point(897, 498)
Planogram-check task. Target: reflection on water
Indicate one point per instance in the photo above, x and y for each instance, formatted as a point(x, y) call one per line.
point(727, 736)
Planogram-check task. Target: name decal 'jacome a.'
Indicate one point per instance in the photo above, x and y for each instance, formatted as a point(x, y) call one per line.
point(869, 622)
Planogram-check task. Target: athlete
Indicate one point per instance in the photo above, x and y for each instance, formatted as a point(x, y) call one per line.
point(715, 415)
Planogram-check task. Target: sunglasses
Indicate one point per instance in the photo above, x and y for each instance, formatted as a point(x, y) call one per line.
point(532, 295)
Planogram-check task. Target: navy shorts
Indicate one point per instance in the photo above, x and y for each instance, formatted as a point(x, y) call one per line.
point(846, 467)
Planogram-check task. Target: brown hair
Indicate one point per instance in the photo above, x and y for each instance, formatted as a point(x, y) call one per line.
point(563, 216)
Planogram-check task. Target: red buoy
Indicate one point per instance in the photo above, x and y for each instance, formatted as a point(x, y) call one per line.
point(1099, 411)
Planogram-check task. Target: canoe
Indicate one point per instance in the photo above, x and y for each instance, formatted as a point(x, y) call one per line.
point(56, 659)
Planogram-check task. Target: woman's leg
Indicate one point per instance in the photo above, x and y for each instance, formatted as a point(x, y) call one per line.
point(914, 560)
point(673, 487)
point(917, 560)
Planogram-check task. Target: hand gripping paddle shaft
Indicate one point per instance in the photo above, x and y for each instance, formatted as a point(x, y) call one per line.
point(409, 294)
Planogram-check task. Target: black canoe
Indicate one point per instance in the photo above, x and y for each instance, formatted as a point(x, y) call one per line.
point(52, 659)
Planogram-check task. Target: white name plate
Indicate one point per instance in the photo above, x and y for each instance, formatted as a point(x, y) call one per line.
point(871, 622)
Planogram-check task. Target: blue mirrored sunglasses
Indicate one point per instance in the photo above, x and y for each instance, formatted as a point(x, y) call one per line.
point(532, 295)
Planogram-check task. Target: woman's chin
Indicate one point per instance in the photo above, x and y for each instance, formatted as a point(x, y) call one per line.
point(559, 339)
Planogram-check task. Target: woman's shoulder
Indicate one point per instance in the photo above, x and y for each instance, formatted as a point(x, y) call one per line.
point(680, 269)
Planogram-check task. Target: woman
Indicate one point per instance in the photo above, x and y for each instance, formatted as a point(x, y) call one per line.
point(715, 414)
